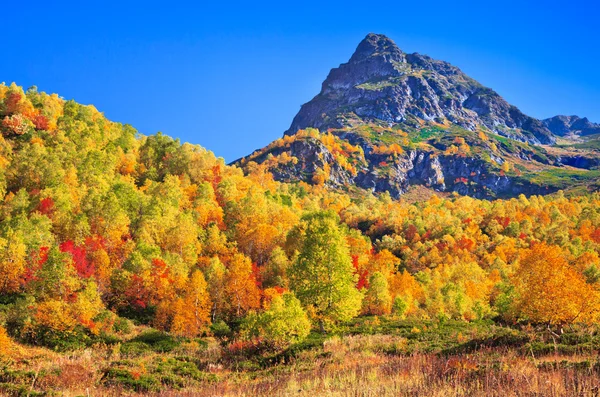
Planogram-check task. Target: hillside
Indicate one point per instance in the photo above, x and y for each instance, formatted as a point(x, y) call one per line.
point(387, 120)
point(137, 264)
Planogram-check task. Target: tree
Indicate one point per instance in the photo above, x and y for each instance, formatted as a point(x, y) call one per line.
point(323, 276)
point(551, 291)
point(240, 286)
point(284, 322)
point(189, 314)
point(274, 272)
point(377, 300)
point(7, 346)
point(215, 276)
point(12, 262)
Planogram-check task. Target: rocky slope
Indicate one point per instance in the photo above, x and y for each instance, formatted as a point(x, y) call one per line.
point(387, 120)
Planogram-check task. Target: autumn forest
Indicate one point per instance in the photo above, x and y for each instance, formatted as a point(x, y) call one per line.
point(174, 271)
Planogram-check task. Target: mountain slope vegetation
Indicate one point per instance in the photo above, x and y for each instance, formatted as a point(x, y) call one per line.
point(141, 247)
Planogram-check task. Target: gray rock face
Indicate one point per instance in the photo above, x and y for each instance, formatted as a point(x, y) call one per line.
point(571, 125)
point(465, 175)
point(382, 84)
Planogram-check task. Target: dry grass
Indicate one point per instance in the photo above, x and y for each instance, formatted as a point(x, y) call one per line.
point(351, 365)
point(368, 374)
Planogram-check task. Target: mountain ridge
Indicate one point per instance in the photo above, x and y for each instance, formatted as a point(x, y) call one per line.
point(387, 120)
point(382, 83)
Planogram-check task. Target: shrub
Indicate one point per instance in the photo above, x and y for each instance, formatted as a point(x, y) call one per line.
point(400, 306)
point(123, 325)
point(220, 329)
point(285, 322)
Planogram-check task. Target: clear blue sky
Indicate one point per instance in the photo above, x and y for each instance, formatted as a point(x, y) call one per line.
point(231, 77)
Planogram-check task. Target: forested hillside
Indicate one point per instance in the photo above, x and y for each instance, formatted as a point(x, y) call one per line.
point(103, 230)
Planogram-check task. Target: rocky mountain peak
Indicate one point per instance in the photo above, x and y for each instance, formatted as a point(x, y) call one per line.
point(571, 126)
point(383, 85)
point(377, 45)
point(389, 120)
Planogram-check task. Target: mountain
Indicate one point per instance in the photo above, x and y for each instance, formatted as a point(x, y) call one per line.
point(384, 85)
point(387, 120)
point(571, 125)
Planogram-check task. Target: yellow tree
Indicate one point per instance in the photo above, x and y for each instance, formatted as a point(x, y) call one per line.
point(551, 291)
point(192, 312)
point(12, 262)
point(240, 285)
point(7, 346)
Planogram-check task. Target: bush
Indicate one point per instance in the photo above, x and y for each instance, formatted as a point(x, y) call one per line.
point(133, 381)
point(400, 306)
point(158, 341)
point(220, 329)
point(123, 326)
point(285, 322)
point(75, 339)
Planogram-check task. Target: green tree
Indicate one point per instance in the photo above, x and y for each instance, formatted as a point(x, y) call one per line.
point(273, 272)
point(283, 323)
point(378, 299)
point(322, 276)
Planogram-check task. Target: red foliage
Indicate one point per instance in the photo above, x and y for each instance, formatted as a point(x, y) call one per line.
point(217, 178)
point(596, 236)
point(46, 206)
point(82, 265)
point(257, 275)
point(465, 244)
point(11, 102)
point(94, 243)
point(441, 245)
point(363, 276)
point(41, 122)
point(503, 221)
point(72, 297)
point(137, 293)
point(161, 269)
point(245, 348)
point(410, 232)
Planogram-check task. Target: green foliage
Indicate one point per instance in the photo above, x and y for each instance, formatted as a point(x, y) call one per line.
point(157, 341)
point(220, 329)
point(399, 307)
point(378, 299)
point(322, 276)
point(283, 323)
point(124, 378)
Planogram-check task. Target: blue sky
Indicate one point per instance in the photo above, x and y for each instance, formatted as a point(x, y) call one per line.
point(231, 76)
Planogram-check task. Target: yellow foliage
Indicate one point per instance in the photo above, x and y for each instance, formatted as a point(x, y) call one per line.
point(551, 291)
point(7, 346)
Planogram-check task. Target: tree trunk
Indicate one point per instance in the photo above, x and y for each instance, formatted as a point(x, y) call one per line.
point(322, 327)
